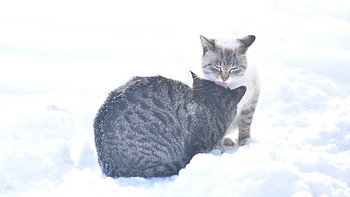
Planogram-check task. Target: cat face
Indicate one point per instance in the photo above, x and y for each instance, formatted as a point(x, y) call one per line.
point(210, 91)
point(224, 60)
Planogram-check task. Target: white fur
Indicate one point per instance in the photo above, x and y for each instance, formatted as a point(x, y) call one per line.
point(250, 79)
point(227, 43)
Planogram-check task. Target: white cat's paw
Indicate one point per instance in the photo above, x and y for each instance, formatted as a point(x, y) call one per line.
point(242, 142)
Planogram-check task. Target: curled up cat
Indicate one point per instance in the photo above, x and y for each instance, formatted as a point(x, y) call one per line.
point(153, 126)
point(225, 62)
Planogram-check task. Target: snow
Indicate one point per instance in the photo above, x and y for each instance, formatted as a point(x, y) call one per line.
point(60, 59)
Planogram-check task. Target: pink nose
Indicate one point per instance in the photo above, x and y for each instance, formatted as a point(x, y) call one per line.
point(224, 77)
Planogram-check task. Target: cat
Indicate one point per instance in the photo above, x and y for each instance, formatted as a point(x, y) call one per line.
point(225, 62)
point(153, 126)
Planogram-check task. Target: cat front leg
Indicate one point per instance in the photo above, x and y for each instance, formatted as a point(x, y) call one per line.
point(244, 125)
point(243, 137)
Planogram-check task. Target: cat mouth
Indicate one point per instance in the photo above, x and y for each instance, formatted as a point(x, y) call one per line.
point(223, 84)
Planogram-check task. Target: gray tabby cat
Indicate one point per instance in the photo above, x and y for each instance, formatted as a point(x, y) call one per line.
point(225, 62)
point(153, 126)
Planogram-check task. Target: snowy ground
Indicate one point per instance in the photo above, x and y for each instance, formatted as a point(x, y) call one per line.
point(59, 60)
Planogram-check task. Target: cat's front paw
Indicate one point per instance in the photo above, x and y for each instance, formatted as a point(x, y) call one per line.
point(243, 141)
point(228, 142)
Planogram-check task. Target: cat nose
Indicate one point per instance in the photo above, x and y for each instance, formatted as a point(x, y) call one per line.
point(224, 77)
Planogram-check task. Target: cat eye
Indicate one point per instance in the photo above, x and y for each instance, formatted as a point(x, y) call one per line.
point(207, 65)
point(219, 68)
point(233, 70)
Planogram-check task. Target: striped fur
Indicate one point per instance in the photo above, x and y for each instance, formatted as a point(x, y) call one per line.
point(153, 126)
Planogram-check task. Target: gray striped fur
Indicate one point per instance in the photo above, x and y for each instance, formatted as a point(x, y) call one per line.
point(153, 126)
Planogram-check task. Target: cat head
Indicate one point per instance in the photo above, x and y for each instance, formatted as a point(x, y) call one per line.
point(223, 60)
point(210, 92)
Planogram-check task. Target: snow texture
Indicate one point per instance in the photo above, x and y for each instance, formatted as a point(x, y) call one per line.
point(60, 59)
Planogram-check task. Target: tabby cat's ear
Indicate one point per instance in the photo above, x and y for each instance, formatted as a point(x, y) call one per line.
point(238, 93)
point(194, 76)
point(207, 44)
point(248, 40)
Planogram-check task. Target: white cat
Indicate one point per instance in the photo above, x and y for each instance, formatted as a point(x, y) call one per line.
point(224, 61)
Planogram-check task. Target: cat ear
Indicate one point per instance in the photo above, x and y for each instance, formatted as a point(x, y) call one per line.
point(238, 93)
point(207, 44)
point(194, 76)
point(248, 40)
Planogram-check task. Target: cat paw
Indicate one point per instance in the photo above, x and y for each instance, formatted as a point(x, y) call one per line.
point(228, 142)
point(242, 142)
